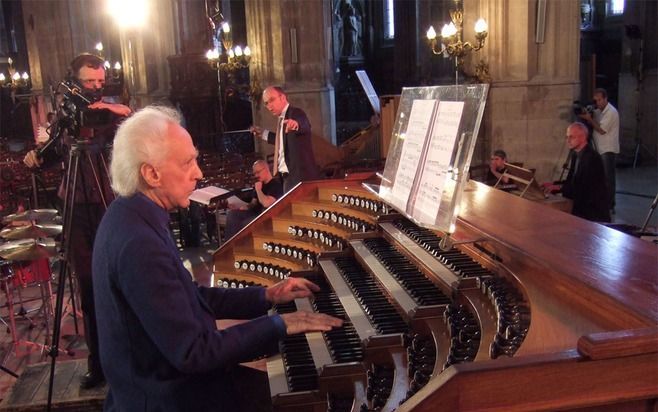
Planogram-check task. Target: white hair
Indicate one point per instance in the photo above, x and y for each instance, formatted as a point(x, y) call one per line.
point(142, 138)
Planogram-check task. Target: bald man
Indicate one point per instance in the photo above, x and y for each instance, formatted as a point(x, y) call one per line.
point(295, 161)
point(586, 183)
point(266, 191)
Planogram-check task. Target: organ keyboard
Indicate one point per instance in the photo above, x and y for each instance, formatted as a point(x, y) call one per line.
point(531, 309)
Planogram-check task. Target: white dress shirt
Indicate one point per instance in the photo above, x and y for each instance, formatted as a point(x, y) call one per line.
point(282, 167)
point(608, 120)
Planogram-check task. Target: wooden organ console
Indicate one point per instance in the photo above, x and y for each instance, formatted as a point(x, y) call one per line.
point(531, 308)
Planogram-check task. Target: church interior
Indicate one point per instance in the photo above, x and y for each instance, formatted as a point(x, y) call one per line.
point(515, 303)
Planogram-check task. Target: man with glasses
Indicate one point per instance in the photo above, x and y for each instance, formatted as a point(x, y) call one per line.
point(91, 198)
point(585, 184)
point(294, 161)
point(266, 191)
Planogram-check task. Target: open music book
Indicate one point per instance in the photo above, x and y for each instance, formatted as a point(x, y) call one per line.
point(209, 194)
point(431, 148)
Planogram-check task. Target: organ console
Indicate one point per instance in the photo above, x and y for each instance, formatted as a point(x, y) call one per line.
point(530, 309)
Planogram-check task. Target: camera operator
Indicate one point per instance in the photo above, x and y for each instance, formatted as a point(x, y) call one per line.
point(91, 194)
point(605, 123)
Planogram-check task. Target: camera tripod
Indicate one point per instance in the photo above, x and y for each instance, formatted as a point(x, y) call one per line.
point(79, 150)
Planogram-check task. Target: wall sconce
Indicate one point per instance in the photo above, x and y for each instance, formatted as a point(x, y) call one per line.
point(112, 72)
point(224, 56)
point(451, 43)
point(15, 80)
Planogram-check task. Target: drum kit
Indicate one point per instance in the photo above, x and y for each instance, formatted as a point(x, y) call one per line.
point(25, 261)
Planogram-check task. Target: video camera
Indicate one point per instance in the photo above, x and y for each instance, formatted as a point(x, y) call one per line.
point(73, 113)
point(74, 106)
point(579, 109)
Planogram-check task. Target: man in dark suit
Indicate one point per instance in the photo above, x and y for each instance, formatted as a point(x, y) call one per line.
point(159, 343)
point(585, 183)
point(294, 161)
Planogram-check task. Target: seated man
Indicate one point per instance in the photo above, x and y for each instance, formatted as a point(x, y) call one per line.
point(159, 343)
point(497, 168)
point(585, 184)
point(266, 189)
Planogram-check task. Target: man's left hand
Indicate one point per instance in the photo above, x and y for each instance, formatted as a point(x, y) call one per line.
point(291, 125)
point(290, 289)
point(118, 109)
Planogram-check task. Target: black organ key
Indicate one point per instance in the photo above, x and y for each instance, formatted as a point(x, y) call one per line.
point(343, 343)
point(382, 314)
point(301, 373)
point(406, 273)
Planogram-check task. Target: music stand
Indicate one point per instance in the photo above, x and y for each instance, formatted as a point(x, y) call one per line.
point(524, 177)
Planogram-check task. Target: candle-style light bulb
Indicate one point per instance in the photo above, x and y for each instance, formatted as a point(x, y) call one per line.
point(10, 61)
point(238, 51)
point(225, 27)
point(25, 76)
point(431, 33)
point(481, 26)
point(16, 76)
point(106, 65)
point(209, 54)
point(247, 51)
point(99, 47)
point(231, 53)
point(117, 66)
point(2, 78)
point(449, 30)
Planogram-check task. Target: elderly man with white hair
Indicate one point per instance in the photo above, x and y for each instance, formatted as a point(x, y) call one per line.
point(160, 347)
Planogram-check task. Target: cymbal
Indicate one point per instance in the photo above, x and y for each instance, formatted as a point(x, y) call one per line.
point(34, 214)
point(28, 249)
point(30, 231)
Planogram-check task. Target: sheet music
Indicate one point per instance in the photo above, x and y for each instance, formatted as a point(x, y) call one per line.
point(437, 162)
point(412, 150)
point(206, 194)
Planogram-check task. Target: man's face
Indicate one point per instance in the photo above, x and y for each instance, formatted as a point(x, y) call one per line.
point(576, 139)
point(91, 79)
point(274, 101)
point(179, 171)
point(600, 101)
point(498, 162)
point(262, 173)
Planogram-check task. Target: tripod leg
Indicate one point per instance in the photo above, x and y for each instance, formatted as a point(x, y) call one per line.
point(651, 210)
point(73, 303)
point(69, 200)
point(8, 371)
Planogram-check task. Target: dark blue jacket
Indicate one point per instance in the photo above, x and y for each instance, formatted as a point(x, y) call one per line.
point(159, 344)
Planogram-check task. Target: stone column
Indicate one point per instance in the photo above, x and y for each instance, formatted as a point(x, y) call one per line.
point(533, 84)
point(291, 44)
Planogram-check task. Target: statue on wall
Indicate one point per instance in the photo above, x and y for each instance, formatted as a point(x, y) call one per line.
point(349, 19)
point(586, 14)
